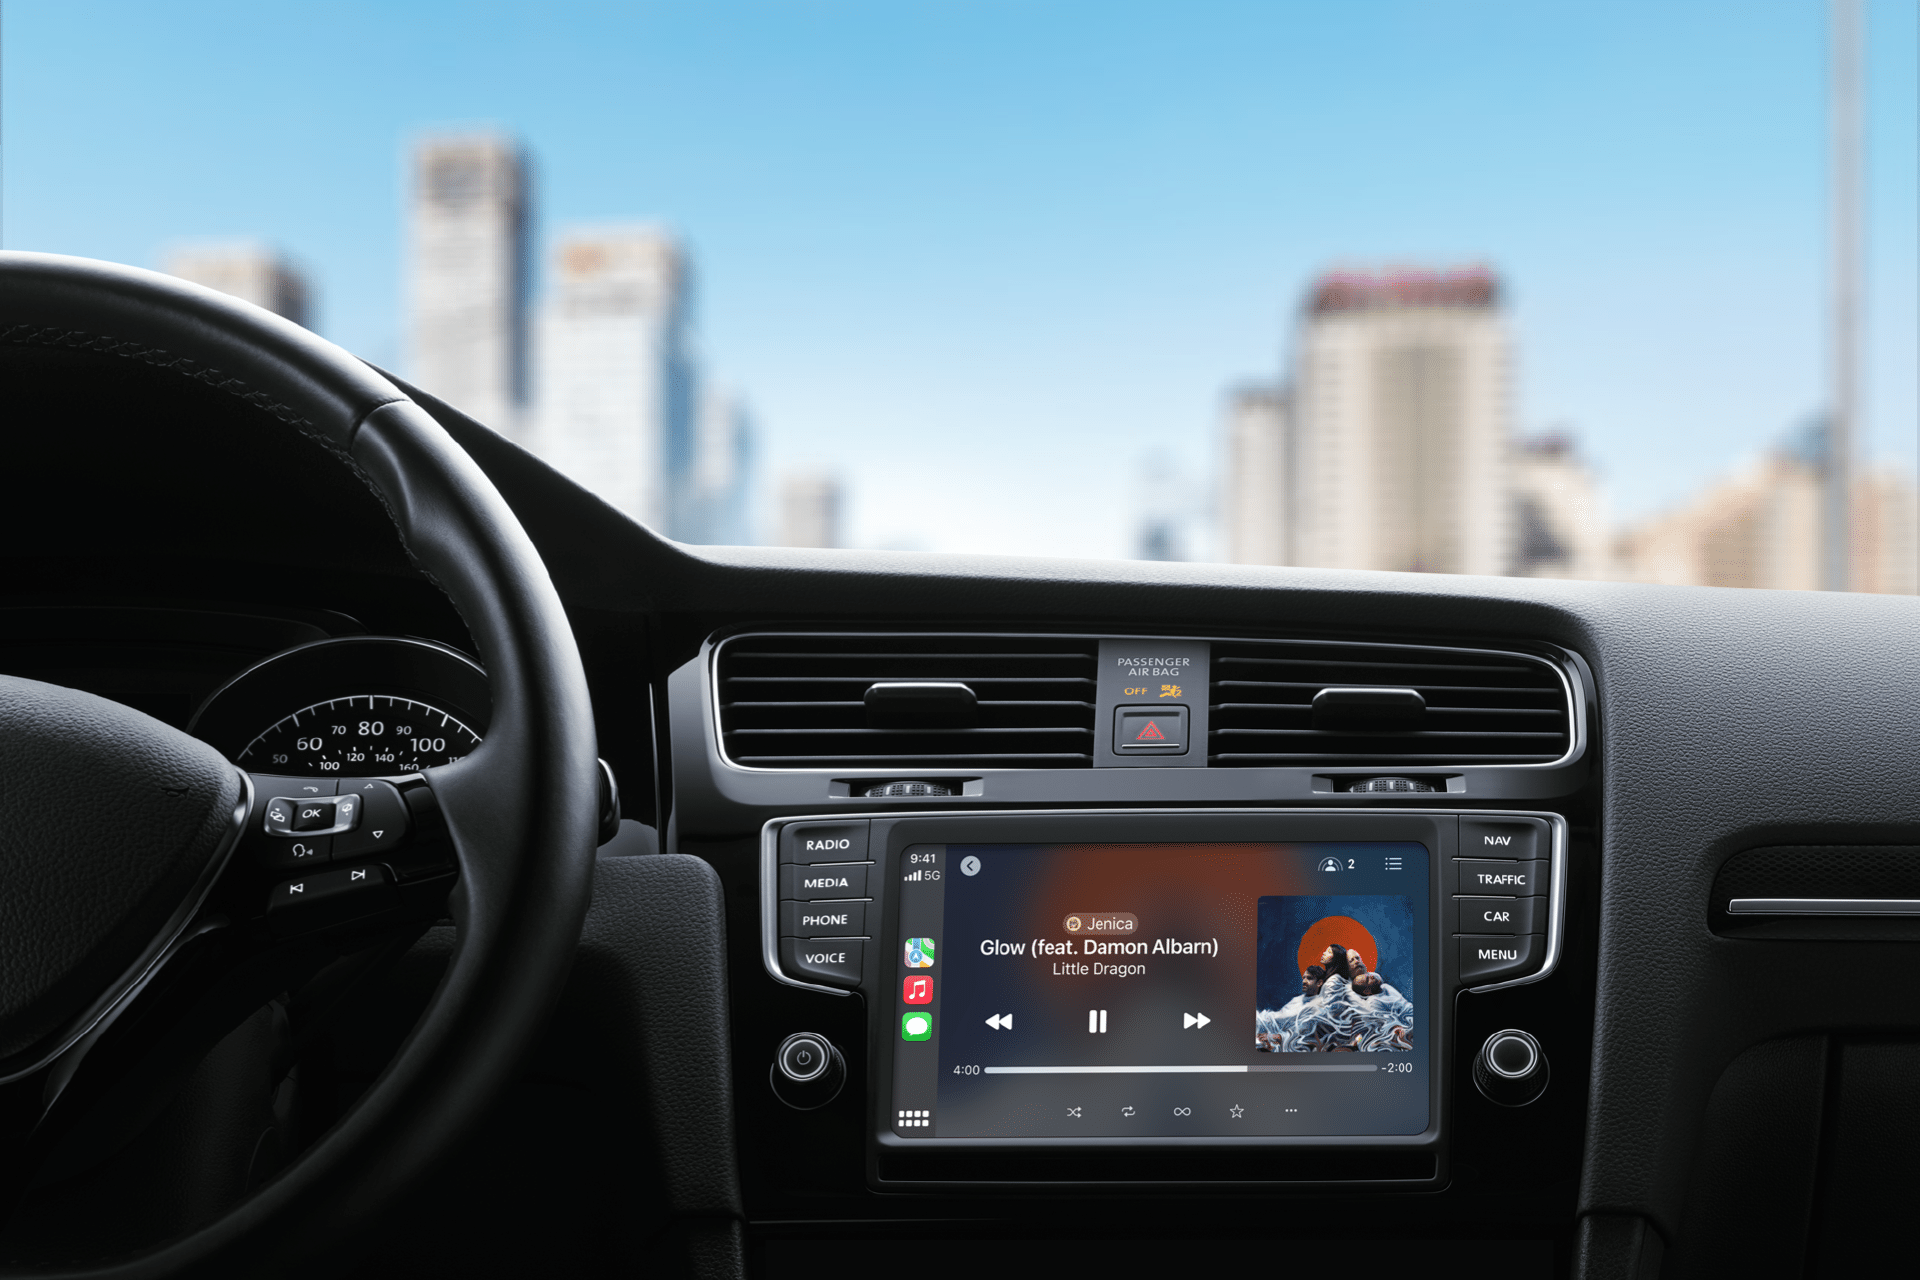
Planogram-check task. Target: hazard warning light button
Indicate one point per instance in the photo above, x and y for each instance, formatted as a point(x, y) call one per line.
point(1158, 730)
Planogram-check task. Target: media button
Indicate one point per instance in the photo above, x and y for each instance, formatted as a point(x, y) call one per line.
point(1521, 879)
point(1500, 915)
point(825, 842)
point(836, 963)
point(823, 919)
point(1491, 959)
point(811, 882)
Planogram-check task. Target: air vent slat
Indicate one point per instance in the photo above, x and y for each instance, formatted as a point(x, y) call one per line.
point(798, 701)
point(1481, 708)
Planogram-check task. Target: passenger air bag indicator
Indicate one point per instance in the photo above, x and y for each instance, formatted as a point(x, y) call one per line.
point(1158, 730)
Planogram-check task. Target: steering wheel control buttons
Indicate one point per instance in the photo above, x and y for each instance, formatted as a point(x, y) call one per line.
point(807, 1071)
point(297, 854)
point(823, 919)
point(381, 823)
point(1491, 959)
point(311, 815)
point(330, 898)
point(837, 962)
point(1511, 1068)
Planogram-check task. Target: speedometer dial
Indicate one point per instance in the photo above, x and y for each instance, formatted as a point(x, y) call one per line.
point(360, 736)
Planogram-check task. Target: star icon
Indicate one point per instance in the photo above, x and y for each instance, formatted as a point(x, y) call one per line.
point(1236, 1111)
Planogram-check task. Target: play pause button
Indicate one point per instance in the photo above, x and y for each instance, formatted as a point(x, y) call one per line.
point(1192, 1020)
point(1001, 1022)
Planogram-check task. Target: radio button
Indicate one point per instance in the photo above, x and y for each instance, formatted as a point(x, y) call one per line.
point(1521, 879)
point(1503, 838)
point(836, 963)
point(1491, 959)
point(1500, 915)
point(823, 919)
point(825, 842)
point(807, 883)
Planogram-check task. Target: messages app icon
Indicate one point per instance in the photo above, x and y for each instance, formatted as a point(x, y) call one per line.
point(919, 953)
point(916, 1026)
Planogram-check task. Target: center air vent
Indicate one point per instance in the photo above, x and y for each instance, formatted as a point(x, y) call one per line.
point(811, 702)
point(1283, 702)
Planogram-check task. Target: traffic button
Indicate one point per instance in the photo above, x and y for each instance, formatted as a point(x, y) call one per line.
point(1521, 879)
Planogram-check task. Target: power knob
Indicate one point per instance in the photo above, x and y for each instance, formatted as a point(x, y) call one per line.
point(1511, 1068)
point(807, 1071)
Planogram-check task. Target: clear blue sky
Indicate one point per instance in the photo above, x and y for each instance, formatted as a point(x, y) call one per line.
point(984, 257)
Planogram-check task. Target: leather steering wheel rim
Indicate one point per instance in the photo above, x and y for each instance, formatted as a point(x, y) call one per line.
point(521, 809)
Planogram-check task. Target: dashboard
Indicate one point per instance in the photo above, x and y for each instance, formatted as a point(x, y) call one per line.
point(1017, 911)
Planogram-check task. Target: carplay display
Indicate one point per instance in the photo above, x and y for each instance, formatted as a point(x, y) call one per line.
point(1163, 990)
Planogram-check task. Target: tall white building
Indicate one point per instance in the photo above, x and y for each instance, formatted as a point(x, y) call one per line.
point(247, 270)
point(1254, 476)
point(1560, 527)
point(715, 501)
point(467, 276)
point(810, 510)
point(1400, 424)
point(616, 382)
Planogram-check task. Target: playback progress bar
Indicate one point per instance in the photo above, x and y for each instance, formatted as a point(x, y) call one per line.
point(1236, 1068)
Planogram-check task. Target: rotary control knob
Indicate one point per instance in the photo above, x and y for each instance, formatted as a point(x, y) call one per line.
point(1511, 1068)
point(807, 1071)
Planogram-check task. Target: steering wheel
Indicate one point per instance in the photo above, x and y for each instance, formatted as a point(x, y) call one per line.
point(131, 934)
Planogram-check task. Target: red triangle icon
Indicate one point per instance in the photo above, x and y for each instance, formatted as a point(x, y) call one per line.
point(1150, 734)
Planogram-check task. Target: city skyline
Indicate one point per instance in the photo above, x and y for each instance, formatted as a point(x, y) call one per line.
point(1659, 212)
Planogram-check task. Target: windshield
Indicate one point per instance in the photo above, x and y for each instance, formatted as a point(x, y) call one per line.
point(1618, 292)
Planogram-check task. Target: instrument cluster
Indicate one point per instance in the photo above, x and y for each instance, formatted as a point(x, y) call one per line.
point(357, 706)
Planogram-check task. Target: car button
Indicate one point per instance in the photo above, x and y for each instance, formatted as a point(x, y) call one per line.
point(1521, 879)
point(823, 919)
point(1500, 915)
point(824, 842)
point(1490, 959)
point(1503, 838)
point(837, 962)
point(824, 882)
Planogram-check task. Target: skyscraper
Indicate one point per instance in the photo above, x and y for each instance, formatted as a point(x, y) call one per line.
point(1254, 482)
point(617, 385)
point(468, 276)
point(810, 511)
point(715, 500)
point(1400, 424)
point(1559, 517)
point(246, 270)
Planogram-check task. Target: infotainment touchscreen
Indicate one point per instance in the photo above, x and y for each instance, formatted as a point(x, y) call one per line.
point(1162, 990)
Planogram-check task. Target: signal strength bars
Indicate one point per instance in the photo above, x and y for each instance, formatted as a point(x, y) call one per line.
point(913, 875)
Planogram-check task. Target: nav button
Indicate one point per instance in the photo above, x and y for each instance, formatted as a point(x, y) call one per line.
point(835, 962)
